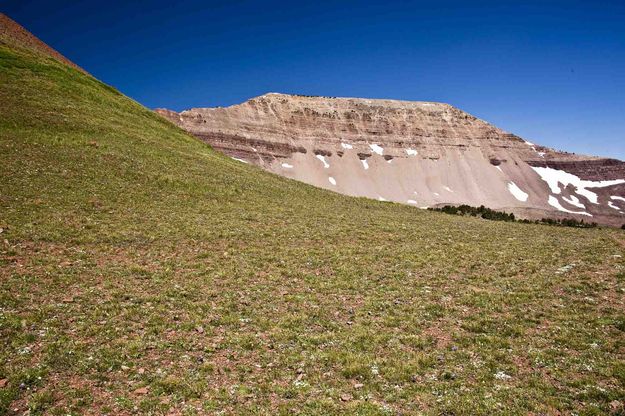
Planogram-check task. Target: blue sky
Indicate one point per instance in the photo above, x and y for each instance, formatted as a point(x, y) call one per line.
point(552, 72)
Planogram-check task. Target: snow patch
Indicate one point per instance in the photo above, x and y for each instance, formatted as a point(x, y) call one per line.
point(411, 201)
point(389, 161)
point(287, 166)
point(346, 146)
point(365, 164)
point(497, 167)
point(517, 192)
point(436, 193)
point(381, 199)
point(240, 160)
point(553, 201)
point(332, 180)
point(411, 152)
point(541, 154)
point(554, 177)
point(529, 143)
point(573, 200)
point(448, 189)
point(377, 149)
point(323, 160)
point(611, 205)
point(618, 198)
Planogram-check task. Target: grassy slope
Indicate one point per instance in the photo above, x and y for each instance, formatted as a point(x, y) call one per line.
point(135, 256)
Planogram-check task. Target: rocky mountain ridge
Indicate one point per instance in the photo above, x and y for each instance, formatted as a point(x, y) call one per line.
point(420, 153)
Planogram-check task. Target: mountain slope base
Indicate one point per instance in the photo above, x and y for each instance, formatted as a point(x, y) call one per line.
point(142, 272)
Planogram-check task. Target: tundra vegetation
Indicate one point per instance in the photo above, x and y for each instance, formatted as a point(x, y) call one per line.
point(141, 272)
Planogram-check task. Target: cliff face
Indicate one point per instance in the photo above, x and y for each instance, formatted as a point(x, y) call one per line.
point(420, 153)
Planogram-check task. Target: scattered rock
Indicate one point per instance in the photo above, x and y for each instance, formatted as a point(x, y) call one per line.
point(3, 383)
point(346, 397)
point(199, 329)
point(615, 405)
point(565, 269)
point(358, 385)
point(142, 390)
point(500, 375)
point(141, 370)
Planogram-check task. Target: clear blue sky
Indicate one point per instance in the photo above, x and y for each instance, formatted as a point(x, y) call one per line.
point(551, 72)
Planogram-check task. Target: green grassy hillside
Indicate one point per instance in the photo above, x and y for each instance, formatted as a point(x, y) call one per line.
point(143, 273)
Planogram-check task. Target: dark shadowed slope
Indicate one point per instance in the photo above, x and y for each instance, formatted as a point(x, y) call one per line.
point(142, 272)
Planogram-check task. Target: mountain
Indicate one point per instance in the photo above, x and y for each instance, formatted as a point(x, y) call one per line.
point(142, 272)
point(420, 153)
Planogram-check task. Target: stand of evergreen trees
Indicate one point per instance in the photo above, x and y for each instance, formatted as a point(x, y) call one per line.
point(490, 214)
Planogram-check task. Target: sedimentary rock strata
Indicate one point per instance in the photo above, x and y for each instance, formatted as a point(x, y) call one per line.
point(419, 153)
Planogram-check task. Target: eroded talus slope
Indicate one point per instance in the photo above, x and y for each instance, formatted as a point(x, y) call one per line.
point(420, 153)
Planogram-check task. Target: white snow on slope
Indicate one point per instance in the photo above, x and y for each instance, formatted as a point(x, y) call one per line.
point(332, 180)
point(611, 205)
point(497, 167)
point(411, 152)
point(240, 160)
point(517, 192)
point(618, 198)
point(573, 200)
point(381, 199)
point(365, 164)
point(287, 166)
point(448, 189)
point(554, 177)
point(323, 160)
point(346, 146)
point(377, 149)
point(553, 201)
point(411, 201)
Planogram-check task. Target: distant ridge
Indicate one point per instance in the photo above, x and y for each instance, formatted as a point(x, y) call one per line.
point(13, 34)
point(420, 153)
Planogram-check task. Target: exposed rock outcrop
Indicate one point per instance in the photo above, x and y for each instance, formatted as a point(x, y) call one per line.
point(420, 153)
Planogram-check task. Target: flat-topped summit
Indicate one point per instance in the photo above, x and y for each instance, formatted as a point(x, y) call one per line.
point(415, 152)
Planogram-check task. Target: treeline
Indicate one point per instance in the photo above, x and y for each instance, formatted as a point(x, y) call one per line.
point(481, 211)
point(490, 214)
